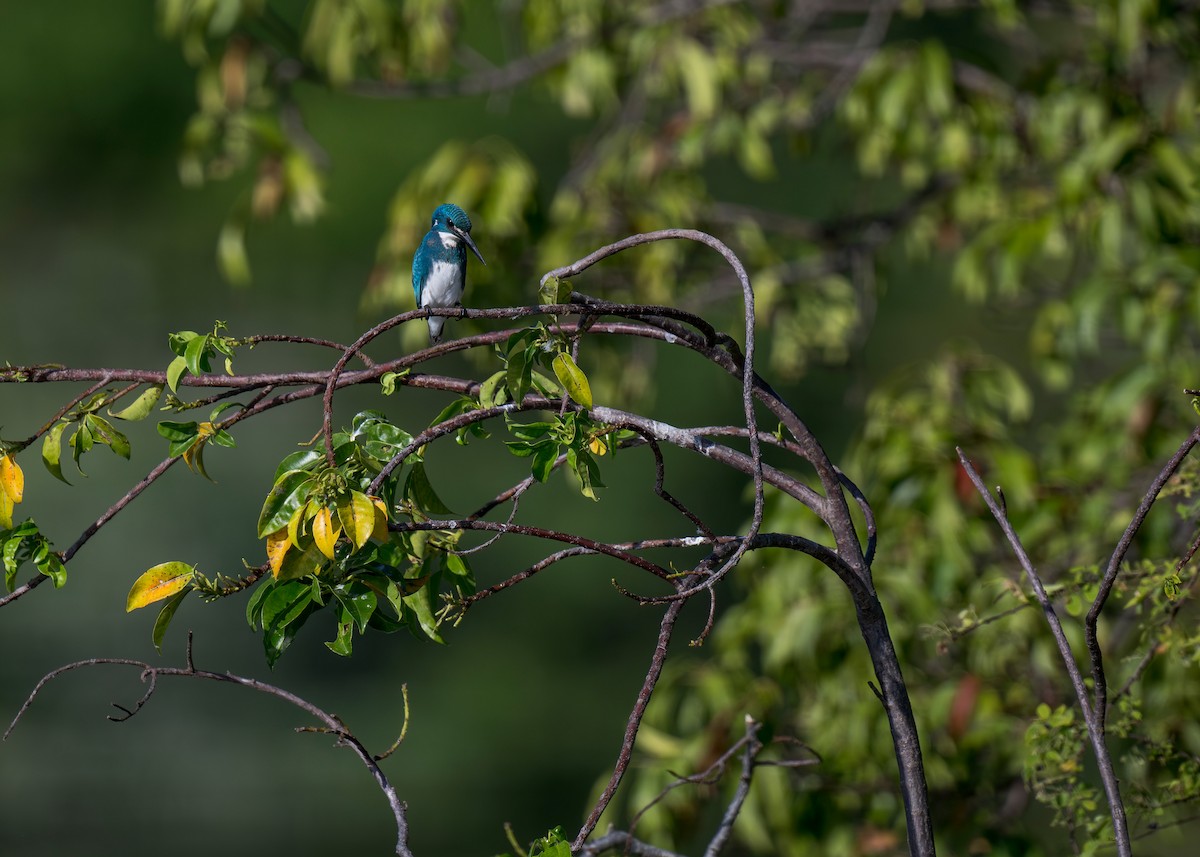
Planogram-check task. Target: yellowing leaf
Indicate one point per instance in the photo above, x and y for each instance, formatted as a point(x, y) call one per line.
point(303, 561)
point(161, 581)
point(52, 451)
point(357, 514)
point(598, 446)
point(278, 543)
point(295, 525)
point(141, 406)
point(6, 510)
point(12, 480)
point(324, 531)
point(380, 531)
point(572, 378)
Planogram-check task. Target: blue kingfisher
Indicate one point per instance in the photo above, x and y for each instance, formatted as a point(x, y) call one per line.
point(440, 263)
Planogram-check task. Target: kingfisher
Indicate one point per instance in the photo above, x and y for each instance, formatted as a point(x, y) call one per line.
point(440, 263)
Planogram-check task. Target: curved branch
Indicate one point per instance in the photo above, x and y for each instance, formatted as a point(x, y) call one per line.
point(1100, 685)
point(333, 724)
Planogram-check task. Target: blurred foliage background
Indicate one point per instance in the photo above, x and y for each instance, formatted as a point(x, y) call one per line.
point(968, 223)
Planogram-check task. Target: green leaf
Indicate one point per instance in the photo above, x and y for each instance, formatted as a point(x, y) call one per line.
point(141, 407)
point(517, 373)
point(24, 533)
point(175, 370)
point(459, 569)
point(489, 389)
point(420, 603)
point(285, 609)
point(343, 644)
point(81, 442)
point(544, 456)
point(165, 615)
point(545, 385)
point(52, 451)
point(178, 432)
point(196, 355)
point(288, 494)
point(388, 381)
point(284, 604)
point(104, 432)
point(419, 490)
point(358, 600)
point(585, 468)
point(159, 582)
point(383, 440)
point(255, 603)
point(302, 459)
point(573, 379)
point(301, 561)
point(554, 291)
point(179, 340)
point(49, 564)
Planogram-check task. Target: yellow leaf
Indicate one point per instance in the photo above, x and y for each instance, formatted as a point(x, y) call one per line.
point(278, 543)
point(380, 532)
point(6, 510)
point(357, 514)
point(12, 480)
point(295, 526)
point(161, 581)
point(324, 531)
point(598, 446)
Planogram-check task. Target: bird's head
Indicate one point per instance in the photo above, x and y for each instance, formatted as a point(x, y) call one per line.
point(449, 219)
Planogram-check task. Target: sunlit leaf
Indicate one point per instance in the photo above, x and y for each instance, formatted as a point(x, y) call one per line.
point(175, 371)
point(277, 545)
point(380, 530)
point(358, 600)
point(325, 531)
point(52, 451)
point(573, 379)
point(161, 581)
point(141, 407)
point(196, 355)
point(489, 389)
point(104, 432)
point(12, 479)
point(357, 514)
point(288, 494)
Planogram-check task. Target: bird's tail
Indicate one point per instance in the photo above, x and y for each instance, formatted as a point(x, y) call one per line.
point(435, 329)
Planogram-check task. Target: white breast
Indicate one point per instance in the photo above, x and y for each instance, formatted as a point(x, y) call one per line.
point(444, 286)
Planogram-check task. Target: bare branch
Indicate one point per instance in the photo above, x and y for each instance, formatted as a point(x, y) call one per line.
point(1094, 723)
point(1100, 688)
point(634, 724)
point(331, 722)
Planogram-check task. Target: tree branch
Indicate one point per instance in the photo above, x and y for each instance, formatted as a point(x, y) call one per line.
point(1094, 723)
point(332, 723)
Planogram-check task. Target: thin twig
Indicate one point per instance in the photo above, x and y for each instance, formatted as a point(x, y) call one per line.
point(1094, 723)
point(331, 722)
point(635, 721)
point(1100, 684)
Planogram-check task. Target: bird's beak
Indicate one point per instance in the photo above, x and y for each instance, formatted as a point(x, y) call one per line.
point(466, 236)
